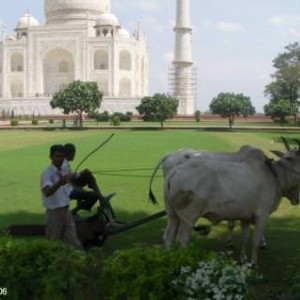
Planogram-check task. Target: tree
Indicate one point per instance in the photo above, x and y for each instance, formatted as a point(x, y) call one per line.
point(279, 110)
point(230, 105)
point(78, 96)
point(159, 107)
point(286, 79)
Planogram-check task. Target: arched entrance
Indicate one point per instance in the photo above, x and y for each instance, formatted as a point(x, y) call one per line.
point(58, 70)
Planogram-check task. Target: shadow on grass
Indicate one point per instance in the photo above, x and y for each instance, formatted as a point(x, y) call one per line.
point(143, 235)
point(20, 217)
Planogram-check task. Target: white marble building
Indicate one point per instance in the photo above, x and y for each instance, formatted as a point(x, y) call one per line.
point(81, 39)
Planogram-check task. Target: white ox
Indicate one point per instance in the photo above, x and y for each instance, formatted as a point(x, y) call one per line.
point(180, 157)
point(248, 191)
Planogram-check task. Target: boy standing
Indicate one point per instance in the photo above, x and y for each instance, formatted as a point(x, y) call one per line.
point(59, 220)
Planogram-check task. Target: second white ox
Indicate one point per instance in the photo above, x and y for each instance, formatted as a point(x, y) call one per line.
point(248, 191)
point(180, 157)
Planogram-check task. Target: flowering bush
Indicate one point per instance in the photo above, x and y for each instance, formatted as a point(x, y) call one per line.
point(219, 278)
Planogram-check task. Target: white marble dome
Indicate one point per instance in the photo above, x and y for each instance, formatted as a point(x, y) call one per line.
point(64, 11)
point(124, 33)
point(27, 21)
point(107, 19)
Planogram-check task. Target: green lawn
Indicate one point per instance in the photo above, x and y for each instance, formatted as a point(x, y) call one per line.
point(125, 166)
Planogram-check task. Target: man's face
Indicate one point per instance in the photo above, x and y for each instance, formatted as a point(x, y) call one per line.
point(57, 158)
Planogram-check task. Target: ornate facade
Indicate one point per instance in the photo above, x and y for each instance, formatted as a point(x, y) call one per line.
point(81, 39)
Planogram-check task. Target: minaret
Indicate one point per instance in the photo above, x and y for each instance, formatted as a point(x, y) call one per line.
point(183, 73)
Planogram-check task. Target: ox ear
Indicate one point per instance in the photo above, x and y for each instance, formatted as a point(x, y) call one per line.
point(298, 143)
point(277, 153)
point(286, 143)
point(293, 194)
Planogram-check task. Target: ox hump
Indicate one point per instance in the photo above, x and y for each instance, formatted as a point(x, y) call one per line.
point(252, 154)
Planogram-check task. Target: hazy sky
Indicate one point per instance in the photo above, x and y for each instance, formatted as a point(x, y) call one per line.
point(234, 41)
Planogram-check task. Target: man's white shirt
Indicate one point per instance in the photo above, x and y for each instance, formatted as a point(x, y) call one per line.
point(61, 197)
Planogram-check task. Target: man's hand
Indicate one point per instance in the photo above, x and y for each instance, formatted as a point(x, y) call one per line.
point(50, 190)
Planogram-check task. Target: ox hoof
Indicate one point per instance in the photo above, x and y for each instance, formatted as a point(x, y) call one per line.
point(263, 246)
point(244, 259)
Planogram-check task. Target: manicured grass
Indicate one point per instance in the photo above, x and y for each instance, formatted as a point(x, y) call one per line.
point(125, 166)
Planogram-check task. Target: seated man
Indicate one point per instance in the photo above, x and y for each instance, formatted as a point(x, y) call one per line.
point(85, 198)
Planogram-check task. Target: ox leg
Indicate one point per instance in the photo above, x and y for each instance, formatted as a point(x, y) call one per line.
point(258, 233)
point(229, 239)
point(244, 240)
point(184, 234)
point(171, 230)
point(263, 242)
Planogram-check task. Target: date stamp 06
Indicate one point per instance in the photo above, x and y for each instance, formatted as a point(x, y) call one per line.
point(3, 291)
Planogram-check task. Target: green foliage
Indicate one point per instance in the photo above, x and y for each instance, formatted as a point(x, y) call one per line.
point(286, 78)
point(78, 97)
point(230, 105)
point(34, 121)
point(123, 117)
point(51, 270)
point(47, 270)
point(101, 117)
point(292, 277)
point(147, 273)
point(159, 107)
point(74, 274)
point(14, 122)
point(51, 121)
point(197, 115)
point(279, 110)
point(115, 120)
point(105, 117)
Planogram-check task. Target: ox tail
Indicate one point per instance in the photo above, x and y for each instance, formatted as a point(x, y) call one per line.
point(151, 195)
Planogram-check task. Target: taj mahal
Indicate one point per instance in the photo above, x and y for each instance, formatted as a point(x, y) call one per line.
point(81, 39)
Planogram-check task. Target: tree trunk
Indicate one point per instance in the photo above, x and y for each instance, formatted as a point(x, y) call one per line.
point(80, 119)
point(231, 121)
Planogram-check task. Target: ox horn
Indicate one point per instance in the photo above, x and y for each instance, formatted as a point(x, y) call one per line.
point(277, 153)
point(286, 144)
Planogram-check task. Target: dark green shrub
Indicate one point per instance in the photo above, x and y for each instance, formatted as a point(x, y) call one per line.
point(293, 277)
point(129, 115)
point(116, 121)
point(14, 122)
point(34, 121)
point(147, 273)
point(123, 117)
point(102, 117)
point(197, 115)
point(51, 121)
point(23, 265)
point(74, 275)
point(48, 270)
